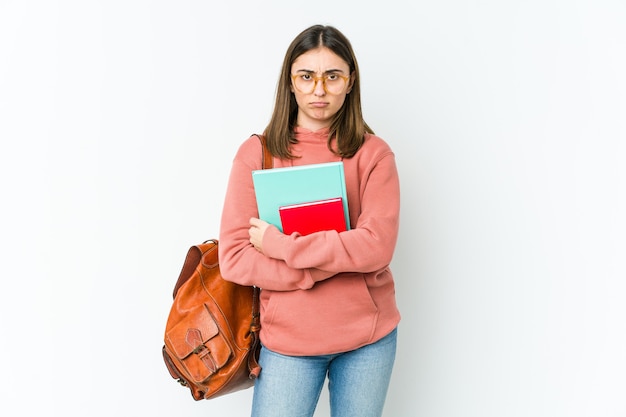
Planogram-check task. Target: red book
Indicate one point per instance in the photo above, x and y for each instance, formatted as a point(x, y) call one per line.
point(314, 216)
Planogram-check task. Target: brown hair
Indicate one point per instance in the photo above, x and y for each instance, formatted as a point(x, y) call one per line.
point(347, 125)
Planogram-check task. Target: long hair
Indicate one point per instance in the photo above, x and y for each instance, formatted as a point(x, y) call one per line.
point(347, 126)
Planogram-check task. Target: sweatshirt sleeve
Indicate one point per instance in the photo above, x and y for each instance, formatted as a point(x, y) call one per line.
point(370, 243)
point(240, 262)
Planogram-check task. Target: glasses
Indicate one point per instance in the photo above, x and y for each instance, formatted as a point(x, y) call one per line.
point(332, 82)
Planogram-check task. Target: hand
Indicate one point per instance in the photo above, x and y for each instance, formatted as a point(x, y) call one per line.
point(256, 232)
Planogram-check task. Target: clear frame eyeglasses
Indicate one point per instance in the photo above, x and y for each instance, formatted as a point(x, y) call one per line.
point(332, 82)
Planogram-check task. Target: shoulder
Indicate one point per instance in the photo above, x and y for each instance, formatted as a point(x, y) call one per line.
point(374, 148)
point(250, 152)
point(376, 142)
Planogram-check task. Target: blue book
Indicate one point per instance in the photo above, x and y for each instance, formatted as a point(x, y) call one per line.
point(279, 187)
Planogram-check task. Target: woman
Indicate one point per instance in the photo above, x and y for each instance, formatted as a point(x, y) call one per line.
point(327, 299)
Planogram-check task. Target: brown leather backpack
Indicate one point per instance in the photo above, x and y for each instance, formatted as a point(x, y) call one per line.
point(212, 331)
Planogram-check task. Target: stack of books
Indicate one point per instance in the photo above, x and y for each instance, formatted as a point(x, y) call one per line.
point(303, 199)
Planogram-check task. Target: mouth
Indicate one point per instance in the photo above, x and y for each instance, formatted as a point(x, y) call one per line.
point(319, 104)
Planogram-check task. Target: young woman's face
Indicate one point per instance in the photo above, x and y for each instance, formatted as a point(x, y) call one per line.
point(320, 80)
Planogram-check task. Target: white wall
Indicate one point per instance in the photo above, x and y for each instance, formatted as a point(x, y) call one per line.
point(118, 122)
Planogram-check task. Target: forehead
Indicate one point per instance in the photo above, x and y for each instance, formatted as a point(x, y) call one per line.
point(319, 60)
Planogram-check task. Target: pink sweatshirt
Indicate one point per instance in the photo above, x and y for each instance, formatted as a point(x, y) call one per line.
point(326, 292)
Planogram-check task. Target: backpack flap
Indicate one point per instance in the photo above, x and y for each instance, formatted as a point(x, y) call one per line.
point(198, 344)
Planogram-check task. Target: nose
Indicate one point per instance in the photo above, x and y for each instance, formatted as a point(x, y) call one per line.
point(319, 89)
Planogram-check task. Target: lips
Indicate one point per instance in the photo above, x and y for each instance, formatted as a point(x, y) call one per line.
point(319, 104)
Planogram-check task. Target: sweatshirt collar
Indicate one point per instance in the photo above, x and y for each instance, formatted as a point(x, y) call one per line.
point(302, 132)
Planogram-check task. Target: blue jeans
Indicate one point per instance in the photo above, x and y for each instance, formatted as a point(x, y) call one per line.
point(290, 386)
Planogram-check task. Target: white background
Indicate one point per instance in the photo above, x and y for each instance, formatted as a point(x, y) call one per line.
point(118, 124)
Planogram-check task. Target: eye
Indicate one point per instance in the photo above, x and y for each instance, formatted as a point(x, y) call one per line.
point(306, 77)
point(332, 77)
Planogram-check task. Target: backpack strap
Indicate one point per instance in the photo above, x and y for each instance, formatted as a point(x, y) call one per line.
point(268, 159)
point(255, 327)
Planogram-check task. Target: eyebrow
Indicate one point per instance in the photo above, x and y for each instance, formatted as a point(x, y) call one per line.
point(325, 72)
